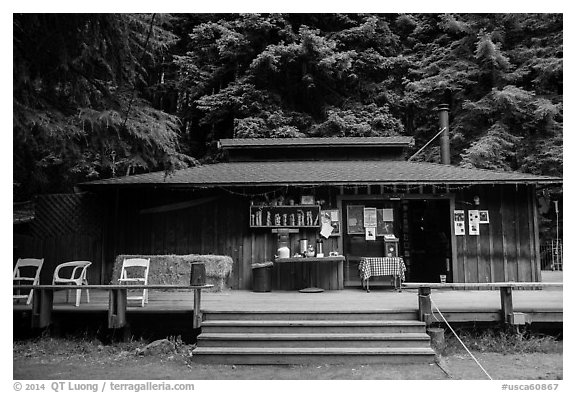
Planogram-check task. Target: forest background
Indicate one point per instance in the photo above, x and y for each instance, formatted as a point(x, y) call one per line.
point(104, 95)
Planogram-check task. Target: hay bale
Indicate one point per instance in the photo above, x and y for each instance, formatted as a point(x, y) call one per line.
point(175, 269)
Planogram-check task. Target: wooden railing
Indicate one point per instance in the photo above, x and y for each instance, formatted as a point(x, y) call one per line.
point(507, 307)
point(42, 301)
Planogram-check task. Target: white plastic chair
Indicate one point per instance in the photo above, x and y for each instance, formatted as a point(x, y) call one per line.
point(139, 275)
point(33, 279)
point(77, 277)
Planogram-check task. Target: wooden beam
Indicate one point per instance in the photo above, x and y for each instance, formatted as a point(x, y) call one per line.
point(517, 236)
point(536, 235)
point(178, 206)
point(453, 242)
point(504, 244)
point(483, 286)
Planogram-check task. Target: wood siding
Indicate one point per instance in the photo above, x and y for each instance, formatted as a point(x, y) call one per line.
point(505, 249)
point(57, 250)
point(141, 222)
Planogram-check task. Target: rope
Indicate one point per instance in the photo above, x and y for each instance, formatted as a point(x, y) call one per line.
point(453, 332)
point(427, 143)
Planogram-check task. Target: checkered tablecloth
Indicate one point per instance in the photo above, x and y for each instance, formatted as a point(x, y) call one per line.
point(381, 266)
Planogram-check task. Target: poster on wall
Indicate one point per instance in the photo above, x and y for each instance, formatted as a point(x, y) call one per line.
point(484, 217)
point(370, 233)
point(330, 223)
point(459, 225)
point(473, 222)
point(385, 222)
point(369, 217)
point(355, 219)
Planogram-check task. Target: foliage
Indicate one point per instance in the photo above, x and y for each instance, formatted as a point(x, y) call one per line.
point(80, 109)
point(210, 76)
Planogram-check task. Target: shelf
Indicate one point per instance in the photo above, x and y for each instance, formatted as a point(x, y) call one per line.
point(339, 258)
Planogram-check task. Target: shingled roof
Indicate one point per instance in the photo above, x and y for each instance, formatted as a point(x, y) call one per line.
point(323, 173)
point(239, 143)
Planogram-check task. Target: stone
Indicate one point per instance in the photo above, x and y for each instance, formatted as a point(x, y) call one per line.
point(158, 347)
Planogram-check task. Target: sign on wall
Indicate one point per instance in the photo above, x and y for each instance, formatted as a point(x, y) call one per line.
point(459, 224)
point(473, 222)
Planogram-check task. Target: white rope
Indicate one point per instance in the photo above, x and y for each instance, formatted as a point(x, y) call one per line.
point(453, 332)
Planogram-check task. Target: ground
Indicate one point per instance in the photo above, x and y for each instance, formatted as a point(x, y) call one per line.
point(54, 359)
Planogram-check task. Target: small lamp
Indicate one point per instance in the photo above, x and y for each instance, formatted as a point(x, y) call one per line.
point(476, 200)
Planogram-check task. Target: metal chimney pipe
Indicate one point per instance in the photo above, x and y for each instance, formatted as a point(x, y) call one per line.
point(445, 137)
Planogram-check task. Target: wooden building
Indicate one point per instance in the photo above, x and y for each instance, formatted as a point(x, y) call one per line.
point(467, 224)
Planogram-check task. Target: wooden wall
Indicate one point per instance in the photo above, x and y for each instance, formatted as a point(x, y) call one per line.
point(218, 226)
point(60, 249)
point(506, 250)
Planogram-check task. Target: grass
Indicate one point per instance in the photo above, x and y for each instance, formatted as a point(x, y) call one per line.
point(501, 341)
point(88, 348)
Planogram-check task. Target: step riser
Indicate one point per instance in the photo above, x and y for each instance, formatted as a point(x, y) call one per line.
point(315, 343)
point(313, 329)
point(404, 316)
point(313, 359)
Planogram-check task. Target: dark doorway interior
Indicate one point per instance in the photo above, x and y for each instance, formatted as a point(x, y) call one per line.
point(428, 232)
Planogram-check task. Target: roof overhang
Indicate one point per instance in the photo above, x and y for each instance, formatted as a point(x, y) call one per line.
point(321, 173)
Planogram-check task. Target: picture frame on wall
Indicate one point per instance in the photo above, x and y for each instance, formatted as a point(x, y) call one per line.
point(307, 200)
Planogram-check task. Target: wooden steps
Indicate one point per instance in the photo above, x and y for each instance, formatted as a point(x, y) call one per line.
point(304, 315)
point(316, 340)
point(313, 338)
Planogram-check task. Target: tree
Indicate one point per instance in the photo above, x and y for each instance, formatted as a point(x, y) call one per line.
point(80, 107)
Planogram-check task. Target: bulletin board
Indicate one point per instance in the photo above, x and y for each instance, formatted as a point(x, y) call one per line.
point(355, 219)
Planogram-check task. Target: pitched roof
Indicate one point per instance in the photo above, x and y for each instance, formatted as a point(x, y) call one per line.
point(239, 143)
point(324, 173)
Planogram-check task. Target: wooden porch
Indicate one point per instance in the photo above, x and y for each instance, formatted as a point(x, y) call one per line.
point(543, 305)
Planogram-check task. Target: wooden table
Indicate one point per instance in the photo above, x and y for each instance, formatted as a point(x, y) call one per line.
point(314, 273)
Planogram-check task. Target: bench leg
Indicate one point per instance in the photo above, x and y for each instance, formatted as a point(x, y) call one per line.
point(117, 308)
point(424, 305)
point(197, 321)
point(78, 297)
point(42, 302)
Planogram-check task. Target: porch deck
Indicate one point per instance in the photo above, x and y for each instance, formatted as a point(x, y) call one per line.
point(456, 305)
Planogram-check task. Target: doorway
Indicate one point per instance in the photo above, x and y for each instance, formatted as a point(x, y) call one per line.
point(427, 246)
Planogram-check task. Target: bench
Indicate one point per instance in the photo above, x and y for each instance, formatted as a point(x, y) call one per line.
point(42, 301)
point(507, 308)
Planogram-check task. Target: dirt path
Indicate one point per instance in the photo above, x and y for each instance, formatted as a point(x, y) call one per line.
point(128, 366)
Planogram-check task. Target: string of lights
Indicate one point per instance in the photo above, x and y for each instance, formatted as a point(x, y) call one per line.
point(384, 188)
